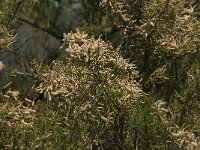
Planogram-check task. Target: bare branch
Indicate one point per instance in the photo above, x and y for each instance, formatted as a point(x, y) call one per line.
point(50, 31)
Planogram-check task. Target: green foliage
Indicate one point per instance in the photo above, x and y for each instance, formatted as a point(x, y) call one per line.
point(92, 93)
point(96, 87)
point(138, 90)
point(6, 34)
point(8, 11)
point(163, 42)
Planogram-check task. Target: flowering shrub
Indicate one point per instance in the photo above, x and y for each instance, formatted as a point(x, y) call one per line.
point(95, 87)
point(183, 138)
point(138, 91)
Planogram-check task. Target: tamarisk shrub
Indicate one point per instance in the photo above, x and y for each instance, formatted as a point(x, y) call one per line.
point(181, 136)
point(94, 90)
point(159, 39)
point(163, 42)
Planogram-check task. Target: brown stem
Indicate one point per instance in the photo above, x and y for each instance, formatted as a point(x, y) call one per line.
point(50, 31)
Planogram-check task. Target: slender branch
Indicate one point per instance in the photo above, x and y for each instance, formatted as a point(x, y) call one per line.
point(50, 31)
point(17, 9)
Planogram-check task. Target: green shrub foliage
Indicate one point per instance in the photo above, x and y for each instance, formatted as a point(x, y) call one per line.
point(95, 87)
point(134, 84)
point(93, 92)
